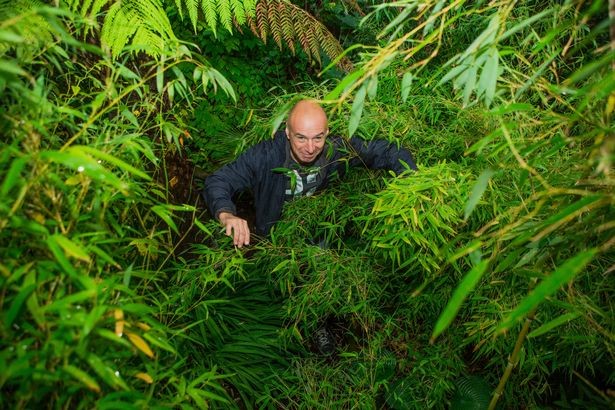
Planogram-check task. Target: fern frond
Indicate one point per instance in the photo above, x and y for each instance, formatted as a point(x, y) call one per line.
point(224, 14)
point(288, 23)
point(301, 34)
point(314, 37)
point(274, 22)
point(85, 7)
point(193, 11)
point(180, 9)
point(211, 17)
point(288, 29)
point(97, 7)
point(238, 11)
point(34, 29)
point(144, 23)
point(262, 21)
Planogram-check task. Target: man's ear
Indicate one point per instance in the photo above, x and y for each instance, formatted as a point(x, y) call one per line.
point(287, 133)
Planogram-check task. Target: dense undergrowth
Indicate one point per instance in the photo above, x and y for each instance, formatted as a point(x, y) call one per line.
point(484, 279)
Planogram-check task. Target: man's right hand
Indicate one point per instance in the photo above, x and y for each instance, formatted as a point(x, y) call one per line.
point(236, 227)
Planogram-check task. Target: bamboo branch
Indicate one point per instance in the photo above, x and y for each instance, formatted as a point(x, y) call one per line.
point(512, 359)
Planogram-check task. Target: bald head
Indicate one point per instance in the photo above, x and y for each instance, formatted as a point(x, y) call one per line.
point(306, 129)
point(307, 113)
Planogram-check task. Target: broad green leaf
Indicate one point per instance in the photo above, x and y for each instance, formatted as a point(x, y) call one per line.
point(13, 176)
point(108, 375)
point(567, 213)
point(554, 323)
point(112, 160)
point(159, 341)
point(76, 159)
point(468, 283)
point(525, 23)
point(372, 87)
point(562, 275)
point(469, 248)
point(470, 84)
point(406, 85)
point(357, 110)
point(165, 215)
point(513, 107)
point(17, 304)
point(489, 76)
point(11, 68)
point(71, 248)
point(346, 82)
point(109, 335)
point(58, 252)
point(477, 192)
point(66, 301)
point(10, 37)
point(82, 377)
point(202, 227)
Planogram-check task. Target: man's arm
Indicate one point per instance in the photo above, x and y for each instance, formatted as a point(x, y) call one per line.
point(221, 186)
point(381, 154)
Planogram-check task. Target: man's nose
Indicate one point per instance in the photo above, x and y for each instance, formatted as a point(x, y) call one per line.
point(310, 146)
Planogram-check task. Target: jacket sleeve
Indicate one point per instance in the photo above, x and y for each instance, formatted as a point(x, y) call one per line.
point(222, 185)
point(381, 154)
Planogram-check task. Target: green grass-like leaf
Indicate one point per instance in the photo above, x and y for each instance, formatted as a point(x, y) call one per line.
point(562, 275)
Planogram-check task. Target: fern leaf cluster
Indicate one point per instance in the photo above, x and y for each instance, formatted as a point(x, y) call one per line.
point(21, 25)
point(144, 23)
point(216, 13)
point(290, 24)
point(87, 8)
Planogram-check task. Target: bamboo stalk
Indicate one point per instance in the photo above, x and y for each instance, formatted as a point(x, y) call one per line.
point(512, 359)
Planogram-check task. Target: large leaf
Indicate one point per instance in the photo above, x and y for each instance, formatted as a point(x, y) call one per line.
point(459, 295)
point(562, 275)
point(357, 110)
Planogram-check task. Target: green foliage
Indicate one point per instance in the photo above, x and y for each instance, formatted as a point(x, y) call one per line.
point(500, 246)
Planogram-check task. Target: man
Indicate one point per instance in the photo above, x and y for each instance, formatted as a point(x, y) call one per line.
point(299, 161)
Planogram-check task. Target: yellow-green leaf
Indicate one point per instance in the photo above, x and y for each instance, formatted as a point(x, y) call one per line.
point(140, 344)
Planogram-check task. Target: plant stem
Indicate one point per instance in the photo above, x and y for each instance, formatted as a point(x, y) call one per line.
point(512, 359)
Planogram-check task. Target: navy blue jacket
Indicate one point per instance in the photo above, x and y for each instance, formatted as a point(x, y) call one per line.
point(253, 170)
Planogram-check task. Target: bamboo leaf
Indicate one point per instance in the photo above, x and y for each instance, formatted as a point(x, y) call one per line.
point(406, 85)
point(145, 377)
point(477, 192)
point(558, 321)
point(356, 111)
point(467, 284)
point(113, 160)
point(71, 248)
point(563, 274)
point(346, 82)
point(163, 213)
point(17, 304)
point(140, 344)
point(489, 76)
point(112, 378)
point(83, 377)
point(13, 176)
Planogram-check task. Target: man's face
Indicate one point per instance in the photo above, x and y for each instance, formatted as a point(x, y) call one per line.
point(306, 143)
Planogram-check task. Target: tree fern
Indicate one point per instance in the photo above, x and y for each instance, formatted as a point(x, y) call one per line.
point(287, 23)
point(239, 13)
point(144, 22)
point(224, 14)
point(193, 10)
point(209, 10)
point(23, 26)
